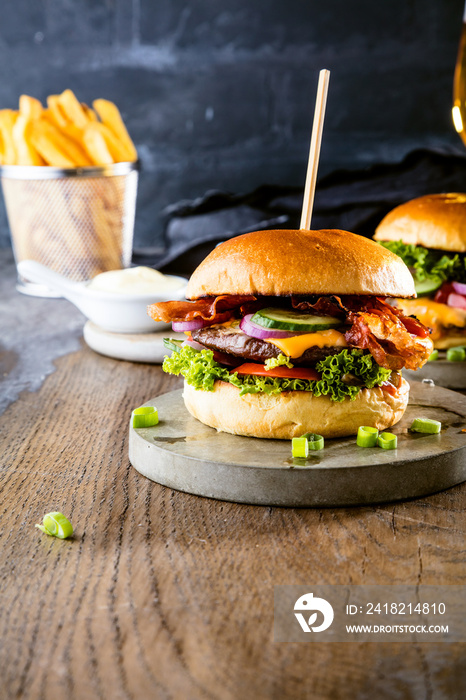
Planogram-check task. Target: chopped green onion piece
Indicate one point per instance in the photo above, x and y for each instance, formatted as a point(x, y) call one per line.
point(387, 441)
point(426, 425)
point(367, 436)
point(57, 525)
point(144, 417)
point(456, 354)
point(300, 447)
point(433, 356)
point(316, 442)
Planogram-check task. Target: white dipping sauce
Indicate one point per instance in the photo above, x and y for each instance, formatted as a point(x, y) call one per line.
point(134, 280)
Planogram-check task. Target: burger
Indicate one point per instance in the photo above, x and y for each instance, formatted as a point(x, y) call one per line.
point(288, 332)
point(429, 234)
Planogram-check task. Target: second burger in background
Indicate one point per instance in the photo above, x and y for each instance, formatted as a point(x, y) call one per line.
point(429, 234)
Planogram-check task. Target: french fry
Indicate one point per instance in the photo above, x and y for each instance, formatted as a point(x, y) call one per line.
point(48, 133)
point(89, 112)
point(72, 109)
point(96, 146)
point(118, 152)
point(57, 115)
point(60, 119)
point(43, 142)
point(76, 135)
point(7, 122)
point(26, 154)
point(78, 207)
point(111, 117)
point(29, 107)
point(57, 118)
point(70, 232)
point(110, 252)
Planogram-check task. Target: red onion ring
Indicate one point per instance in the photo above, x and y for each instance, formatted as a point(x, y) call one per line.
point(194, 344)
point(223, 358)
point(194, 325)
point(457, 301)
point(459, 287)
point(256, 331)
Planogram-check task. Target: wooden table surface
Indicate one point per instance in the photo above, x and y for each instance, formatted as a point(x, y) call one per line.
point(165, 595)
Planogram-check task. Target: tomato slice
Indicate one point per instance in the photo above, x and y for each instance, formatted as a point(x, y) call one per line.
point(443, 293)
point(283, 372)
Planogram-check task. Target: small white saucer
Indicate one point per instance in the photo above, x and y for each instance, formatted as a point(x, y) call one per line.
point(134, 347)
point(116, 312)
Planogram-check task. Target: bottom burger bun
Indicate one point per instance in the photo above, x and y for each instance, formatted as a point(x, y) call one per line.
point(293, 413)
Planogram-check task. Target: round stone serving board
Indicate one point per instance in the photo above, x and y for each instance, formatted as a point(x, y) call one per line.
point(186, 455)
point(451, 375)
point(134, 347)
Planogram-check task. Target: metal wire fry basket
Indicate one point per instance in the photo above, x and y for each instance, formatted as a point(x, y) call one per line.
point(77, 221)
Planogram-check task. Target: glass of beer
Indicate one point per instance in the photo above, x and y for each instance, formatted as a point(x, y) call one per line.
point(459, 85)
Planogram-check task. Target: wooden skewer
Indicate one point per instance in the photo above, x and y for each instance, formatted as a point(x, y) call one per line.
point(314, 150)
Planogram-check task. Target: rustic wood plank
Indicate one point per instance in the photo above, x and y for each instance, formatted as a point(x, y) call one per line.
point(165, 595)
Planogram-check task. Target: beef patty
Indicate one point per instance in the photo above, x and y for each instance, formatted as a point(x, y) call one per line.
point(232, 340)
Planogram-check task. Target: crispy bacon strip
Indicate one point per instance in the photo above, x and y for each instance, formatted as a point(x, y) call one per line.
point(389, 343)
point(379, 307)
point(215, 309)
point(325, 306)
point(394, 341)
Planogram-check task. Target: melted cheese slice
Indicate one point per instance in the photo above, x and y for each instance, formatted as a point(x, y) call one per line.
point(433, 314)
point(298, 344)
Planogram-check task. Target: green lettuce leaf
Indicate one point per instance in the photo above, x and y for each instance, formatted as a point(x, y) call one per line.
point(201, 371)
point(428, 264)
point(281, 360)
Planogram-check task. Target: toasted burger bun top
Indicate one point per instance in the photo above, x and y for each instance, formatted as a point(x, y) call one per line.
point(284, 262)
point(434, 221)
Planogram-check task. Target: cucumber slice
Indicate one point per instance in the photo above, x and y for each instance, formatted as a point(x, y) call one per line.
point(427, 287)
point(293, 320)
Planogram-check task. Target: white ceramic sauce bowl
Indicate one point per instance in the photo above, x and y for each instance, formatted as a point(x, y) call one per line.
point(114, 312)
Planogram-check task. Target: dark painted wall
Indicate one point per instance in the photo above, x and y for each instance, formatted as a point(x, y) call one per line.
point(220, 94)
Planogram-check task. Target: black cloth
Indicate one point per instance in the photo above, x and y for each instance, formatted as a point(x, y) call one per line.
point(352, 200)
